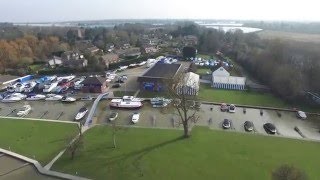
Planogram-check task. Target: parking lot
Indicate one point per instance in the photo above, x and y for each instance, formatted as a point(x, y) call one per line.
point(45, 109)
point(166, 118)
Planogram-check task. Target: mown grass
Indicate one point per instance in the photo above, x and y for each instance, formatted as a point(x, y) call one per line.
point(162, 154)
point(35, 139)
point(207, 93)
point(123, 93)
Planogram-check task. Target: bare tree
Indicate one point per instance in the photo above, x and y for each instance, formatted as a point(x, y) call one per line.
point(288, 172)
point(179, 90)
point(75, 144)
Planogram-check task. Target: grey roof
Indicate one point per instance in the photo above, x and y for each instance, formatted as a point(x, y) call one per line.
point(166, 71)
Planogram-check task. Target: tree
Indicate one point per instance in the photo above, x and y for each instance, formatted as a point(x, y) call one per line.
point(189, 52)
point(288, 172)
point(75, 144)
point(183, 102)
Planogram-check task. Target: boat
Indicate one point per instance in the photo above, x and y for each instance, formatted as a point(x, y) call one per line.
point(25, 110)
point(82, 112)
point(77, 84)
point(15, 97)
point(113, 116)
point(53, 97)
point(125, 104)
point(50, 87)
point(30, 86)
point(67, 78)
point(135, 117)
point(159, 102)
point(132, 98)
point(35, 97)
point(11, 88)
point(46, 79)
point(68, 99)
point(19, 87)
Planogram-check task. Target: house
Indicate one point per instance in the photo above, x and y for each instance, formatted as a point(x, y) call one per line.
point(79, 63)
point(55, 61)
point(221, 72)
point(221, 79)
point(109, 59)
point(153, 79)
point(148, 49)
point(71, 55)
point(94, 85)
point(190, 40)
point(128, 53)
point(93, 50)
point(190, 84)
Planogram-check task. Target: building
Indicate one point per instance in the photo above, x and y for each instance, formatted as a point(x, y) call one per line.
point(109, 59)
point(190, 40)
point(93, 50)
point(148, 49)
point(221, 79)
point(190, 84)
point(153, 79)
point(55, 61)
point(80, 63)
point(94, 85)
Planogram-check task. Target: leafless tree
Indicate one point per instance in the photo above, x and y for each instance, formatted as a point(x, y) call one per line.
point(75, 144)
point(288, 172)
point(177, 88)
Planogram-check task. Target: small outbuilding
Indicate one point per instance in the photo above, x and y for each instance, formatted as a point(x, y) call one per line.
point(94, 85)
point(190, 84)
point(221, 79)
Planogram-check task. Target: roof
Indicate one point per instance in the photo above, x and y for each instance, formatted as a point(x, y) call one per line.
point(191, 79)
point(94, 80)
point(229, 80)
point(221, 72)
point(166, 71)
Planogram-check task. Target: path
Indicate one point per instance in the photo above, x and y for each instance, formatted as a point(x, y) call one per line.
point(89, 119)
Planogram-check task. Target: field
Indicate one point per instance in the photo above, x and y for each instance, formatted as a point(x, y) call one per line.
point(203, 71)
point(208, 154)
point(123, 93)
point(268, 34)
point(204, 56)
point(43, 140)
point(207, 93)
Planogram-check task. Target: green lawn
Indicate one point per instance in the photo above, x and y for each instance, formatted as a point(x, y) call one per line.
point(41, 139)
point(207, 93)
point(123, 93)
point(203, 71)
point(162, 154)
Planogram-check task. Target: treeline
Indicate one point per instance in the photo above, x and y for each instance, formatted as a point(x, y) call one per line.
point(289, 68)
point(26, 50)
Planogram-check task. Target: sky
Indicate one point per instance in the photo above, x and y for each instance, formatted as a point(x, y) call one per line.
point(72, 10)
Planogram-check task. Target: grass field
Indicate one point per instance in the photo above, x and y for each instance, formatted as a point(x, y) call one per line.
point(43, 140)
point(302, 37)
point(203, 71)
point(151, 94)
point(204, 56)
point(162, 154)
point(207, 93)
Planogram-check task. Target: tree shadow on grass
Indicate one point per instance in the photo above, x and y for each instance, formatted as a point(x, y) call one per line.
point(139, 154)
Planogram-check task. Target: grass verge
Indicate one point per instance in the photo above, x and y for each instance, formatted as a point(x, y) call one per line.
point(162, 154)
point(42, 140)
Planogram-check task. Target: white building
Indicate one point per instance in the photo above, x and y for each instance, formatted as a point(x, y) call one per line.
point(221, 79)
point(190, 84)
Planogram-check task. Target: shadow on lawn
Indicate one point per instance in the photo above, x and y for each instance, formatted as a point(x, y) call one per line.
point(139, 154)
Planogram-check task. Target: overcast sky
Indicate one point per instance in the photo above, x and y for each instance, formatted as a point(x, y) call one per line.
point(66, 10)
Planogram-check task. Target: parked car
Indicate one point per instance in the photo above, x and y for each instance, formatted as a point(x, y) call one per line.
point(248, 126)
point(232, 108)
point(301, 115)
point(119, 81)
point(224, 107)
point(116, 85)
point(226, 124)
point(135, 117)
point(270, 128)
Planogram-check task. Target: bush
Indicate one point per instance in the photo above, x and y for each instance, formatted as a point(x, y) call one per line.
point(288, 172)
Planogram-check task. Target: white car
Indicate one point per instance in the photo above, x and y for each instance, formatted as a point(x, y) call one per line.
point(25, 110)
point(301, 115)
point(135, 117)
point(232, 108)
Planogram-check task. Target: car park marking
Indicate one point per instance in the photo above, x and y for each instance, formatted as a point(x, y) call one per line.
point(43, 114)
point(59, 115)
point(14, 110)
